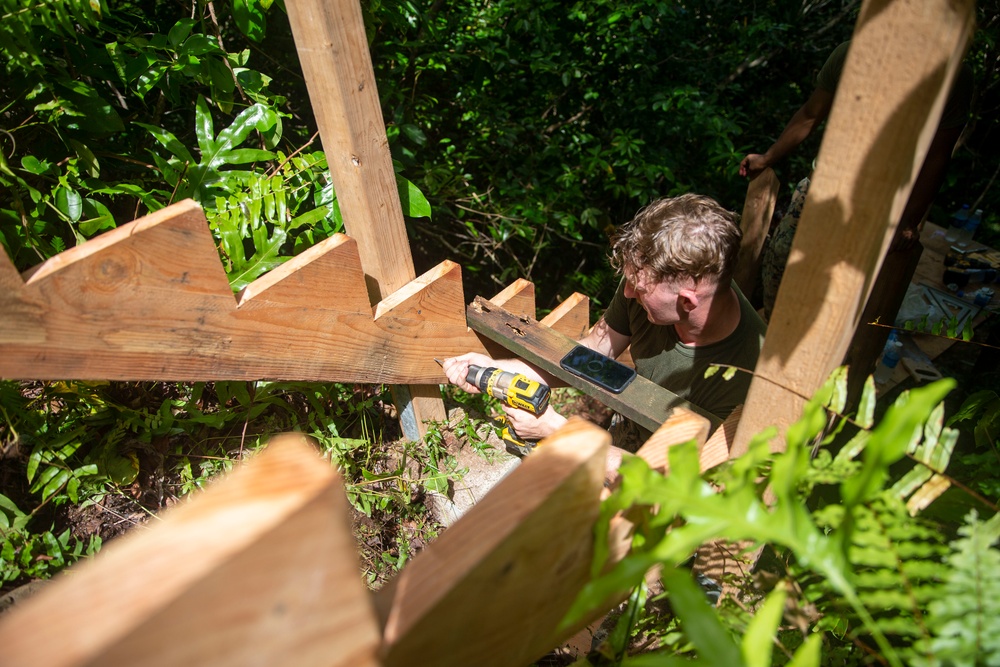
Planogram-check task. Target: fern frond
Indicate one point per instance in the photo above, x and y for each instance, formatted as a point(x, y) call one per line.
point(897, 571)
point(965, 618)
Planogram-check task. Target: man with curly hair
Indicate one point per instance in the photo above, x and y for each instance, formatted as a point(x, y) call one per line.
point(676, 307)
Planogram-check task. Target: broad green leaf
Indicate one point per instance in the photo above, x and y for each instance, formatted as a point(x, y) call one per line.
point(114, 52)
point(701, 625)
point(249, 15)
point(180, 31)
point(244, 155)
point(203, 127)
point(308, 218)
point(415, 204)
point(264, 259)
point(170, 142)
point(98, 217)
point(69, 202)
point(758, 640)
point(10, 514)
point(87, 157)
point(98, 116)
point(72, 488)
point(198, 44)
point(146, 81)
point(808, 655)
point(973, 405)
point(35, 166)
point(55, 483)
point(257, 117)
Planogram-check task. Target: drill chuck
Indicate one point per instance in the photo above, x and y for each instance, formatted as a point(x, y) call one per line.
point(514, 389)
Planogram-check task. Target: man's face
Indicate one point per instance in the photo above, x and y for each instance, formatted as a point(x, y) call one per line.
point(659, 298)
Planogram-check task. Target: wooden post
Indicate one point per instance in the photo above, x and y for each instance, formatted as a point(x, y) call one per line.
point(762, 194)
point(899, 70)
point(260, 568)
point(883, 304)
point(333, 50)
point(492, 590)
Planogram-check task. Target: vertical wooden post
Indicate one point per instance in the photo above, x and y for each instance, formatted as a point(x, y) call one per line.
point(762, 195)
point(333, 50)
point(899, 70)
point(885, 301)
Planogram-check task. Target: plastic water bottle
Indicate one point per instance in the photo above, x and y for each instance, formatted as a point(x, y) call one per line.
point(957, 223)
point(891, 354)
point(965, 234)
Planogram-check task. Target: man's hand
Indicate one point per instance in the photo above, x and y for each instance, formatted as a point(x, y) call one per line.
point(529, 427)
point(752, 165)
point(457, 369)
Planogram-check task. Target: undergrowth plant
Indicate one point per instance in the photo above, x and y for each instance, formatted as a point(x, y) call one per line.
point(137, 447)
point(873, 580)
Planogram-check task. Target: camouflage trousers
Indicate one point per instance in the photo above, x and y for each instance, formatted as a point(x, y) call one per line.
point(779, 245)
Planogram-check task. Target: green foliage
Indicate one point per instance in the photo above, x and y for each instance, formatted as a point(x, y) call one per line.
point(25, 555)
point(84, 443)
point(534, 126)
point(92, 93)
point(857, 549)
point(964, 618)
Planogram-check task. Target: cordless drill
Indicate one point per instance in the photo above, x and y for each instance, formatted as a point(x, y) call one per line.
point(515, 390)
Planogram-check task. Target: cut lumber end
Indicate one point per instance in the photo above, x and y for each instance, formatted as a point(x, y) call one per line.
point(327, 273)
point(433, 296)
point(571, 317)
point(517, 298)
point(680, 427)
point(523, 552)
point(259, 567)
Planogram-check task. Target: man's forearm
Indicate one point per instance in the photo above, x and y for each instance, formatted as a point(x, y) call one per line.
point(801, 125)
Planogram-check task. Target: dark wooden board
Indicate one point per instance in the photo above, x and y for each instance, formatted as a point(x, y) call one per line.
point(644, 402)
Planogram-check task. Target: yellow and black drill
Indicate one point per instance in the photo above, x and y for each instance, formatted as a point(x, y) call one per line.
point(515, 390)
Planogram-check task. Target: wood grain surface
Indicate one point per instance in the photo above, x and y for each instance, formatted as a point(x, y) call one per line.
point(762, 195)
point(493, 588)
point(260, 568)
point(896, 79)
point(643, 401)
point(150, 301)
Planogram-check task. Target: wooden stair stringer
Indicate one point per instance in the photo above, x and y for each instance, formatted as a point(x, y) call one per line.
point(259, 568)
point(524, 552)
point(150, 301)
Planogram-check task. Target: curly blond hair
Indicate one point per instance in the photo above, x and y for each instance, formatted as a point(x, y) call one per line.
point(690, 236)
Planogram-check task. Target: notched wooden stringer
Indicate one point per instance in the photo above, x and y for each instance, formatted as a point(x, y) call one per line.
point(523, 553)
point(260, 568)
point(150, 301)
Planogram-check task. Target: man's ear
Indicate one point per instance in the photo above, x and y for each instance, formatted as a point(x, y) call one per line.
point(688, 298)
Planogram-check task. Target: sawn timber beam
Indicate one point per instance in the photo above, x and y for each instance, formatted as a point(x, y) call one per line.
point(150, 301)
point(643, 401)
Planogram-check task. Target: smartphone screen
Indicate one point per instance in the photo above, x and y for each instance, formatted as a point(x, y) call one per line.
point(601, 370)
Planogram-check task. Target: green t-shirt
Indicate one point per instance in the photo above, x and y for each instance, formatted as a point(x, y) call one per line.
point(956, 110)
point(660, 356)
